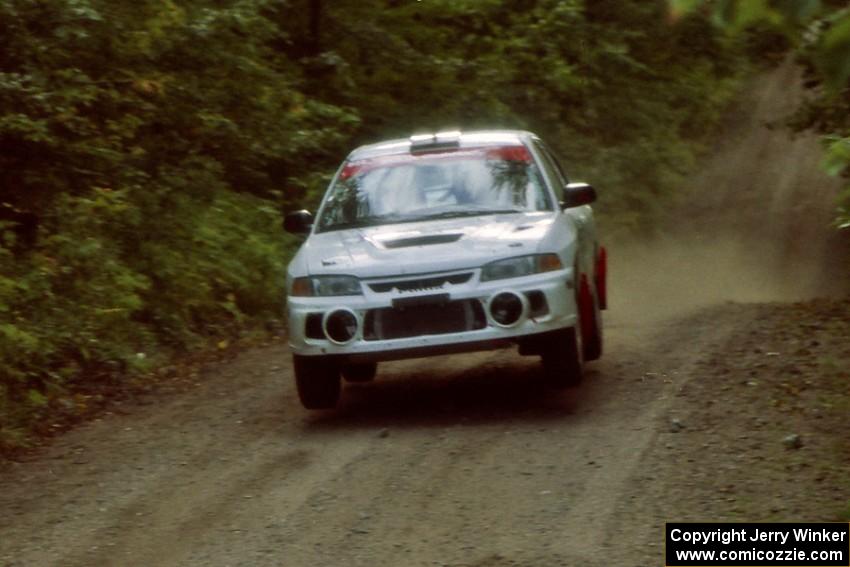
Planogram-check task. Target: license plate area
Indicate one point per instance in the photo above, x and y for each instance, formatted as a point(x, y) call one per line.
point(436, 316)
point(435, 300)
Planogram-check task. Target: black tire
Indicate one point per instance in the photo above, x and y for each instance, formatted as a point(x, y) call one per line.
point(362, 372)
point(317, 380)
point(592, 344)
point(590, 322)
point(561, 359)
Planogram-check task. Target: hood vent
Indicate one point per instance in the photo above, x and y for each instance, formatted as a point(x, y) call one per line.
point(421, 240)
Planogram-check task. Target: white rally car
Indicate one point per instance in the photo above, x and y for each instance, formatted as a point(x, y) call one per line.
point(445, 243)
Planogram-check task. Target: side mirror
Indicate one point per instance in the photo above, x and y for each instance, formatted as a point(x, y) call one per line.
point(298, 222)
point(577, 194)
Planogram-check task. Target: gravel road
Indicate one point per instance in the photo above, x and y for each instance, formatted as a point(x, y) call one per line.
point(464, 460)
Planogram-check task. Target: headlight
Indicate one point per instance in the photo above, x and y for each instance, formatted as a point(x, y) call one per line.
point(520, 266)
point(326, 286)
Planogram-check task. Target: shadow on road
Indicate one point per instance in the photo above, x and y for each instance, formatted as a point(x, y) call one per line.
point(433, 397)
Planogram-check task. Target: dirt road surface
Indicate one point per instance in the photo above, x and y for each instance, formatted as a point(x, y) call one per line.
point(463, 460)
point(459, 460)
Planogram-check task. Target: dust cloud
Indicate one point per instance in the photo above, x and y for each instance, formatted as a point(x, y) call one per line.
point(753, 224)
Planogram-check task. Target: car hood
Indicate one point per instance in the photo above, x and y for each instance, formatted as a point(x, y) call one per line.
point(428, 246)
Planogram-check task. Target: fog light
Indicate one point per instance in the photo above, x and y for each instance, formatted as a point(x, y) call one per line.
point(507, 308)
point(340, 326)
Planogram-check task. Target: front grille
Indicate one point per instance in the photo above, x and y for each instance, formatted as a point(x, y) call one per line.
point(421, 284)
point(395, 323)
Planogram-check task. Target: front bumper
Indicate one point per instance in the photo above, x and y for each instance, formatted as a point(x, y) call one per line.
point(556, 287)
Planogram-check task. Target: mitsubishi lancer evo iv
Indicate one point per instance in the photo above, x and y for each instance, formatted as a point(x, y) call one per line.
point(445, 243)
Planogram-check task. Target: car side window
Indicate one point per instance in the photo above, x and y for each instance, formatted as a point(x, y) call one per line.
point(552, 165)
point(564, 177)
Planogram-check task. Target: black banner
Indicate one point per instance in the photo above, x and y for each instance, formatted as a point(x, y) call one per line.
point(758, 545)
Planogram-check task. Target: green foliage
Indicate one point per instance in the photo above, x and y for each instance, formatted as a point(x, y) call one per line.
point(142, 139)
point(837, 163)
point(831, 51)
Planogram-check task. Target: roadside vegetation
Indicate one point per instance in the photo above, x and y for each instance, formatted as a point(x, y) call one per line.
point(148, 148)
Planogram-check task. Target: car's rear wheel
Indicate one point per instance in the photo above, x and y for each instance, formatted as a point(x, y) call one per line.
point(362, 372)
point(561, 354)
point(317, 380)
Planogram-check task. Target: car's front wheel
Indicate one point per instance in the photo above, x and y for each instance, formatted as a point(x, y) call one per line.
point(590, 322)
point(317, 380)
point(561, 356)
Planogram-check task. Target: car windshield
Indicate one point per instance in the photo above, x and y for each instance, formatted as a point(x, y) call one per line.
point(411, 187)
